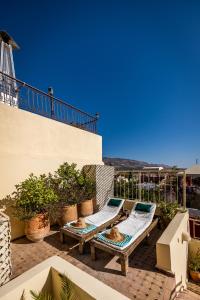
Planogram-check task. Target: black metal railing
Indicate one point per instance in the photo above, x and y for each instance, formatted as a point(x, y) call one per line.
point(17, 92)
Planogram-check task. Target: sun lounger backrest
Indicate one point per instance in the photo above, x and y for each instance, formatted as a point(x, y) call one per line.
point(149, 214)
point(109, 204)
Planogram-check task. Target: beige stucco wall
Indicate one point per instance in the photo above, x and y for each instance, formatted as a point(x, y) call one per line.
point(31, 143)
point(172, 249)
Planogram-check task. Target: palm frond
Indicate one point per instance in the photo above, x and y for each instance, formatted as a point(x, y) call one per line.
point(23, 296)
point(41, 296)
point(67, 291)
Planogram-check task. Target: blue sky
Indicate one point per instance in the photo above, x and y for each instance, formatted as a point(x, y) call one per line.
point(137, 63)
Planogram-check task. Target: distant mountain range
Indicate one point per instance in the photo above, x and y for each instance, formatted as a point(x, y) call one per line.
point(128, 164)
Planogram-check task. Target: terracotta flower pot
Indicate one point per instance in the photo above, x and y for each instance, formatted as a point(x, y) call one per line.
point(195, 276)
point(86, 208)
point(68, 213)
point(37, 227)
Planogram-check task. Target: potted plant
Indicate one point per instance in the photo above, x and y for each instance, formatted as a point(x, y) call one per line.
point(33, 201)
point(168, 211)
point(87, 194)
point(194, 267)
point(66, 183)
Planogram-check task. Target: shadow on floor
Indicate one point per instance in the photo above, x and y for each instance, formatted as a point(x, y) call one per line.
point(143, 257)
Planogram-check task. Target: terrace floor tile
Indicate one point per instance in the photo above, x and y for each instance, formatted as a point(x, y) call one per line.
point(143, 280)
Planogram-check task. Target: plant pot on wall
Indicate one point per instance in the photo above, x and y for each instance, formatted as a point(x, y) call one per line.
point(168, 211)
point(68, 213)
point(86, 208)
point(195, 276)
point(37, 227)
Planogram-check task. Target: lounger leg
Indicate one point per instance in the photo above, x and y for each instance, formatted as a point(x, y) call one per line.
point(62, 238)
point(124, 265)
point(81, 247)
point(147, 239)
point(93, 252)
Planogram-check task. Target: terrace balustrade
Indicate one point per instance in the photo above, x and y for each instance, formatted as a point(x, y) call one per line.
point(15, 92)
point(152, 186)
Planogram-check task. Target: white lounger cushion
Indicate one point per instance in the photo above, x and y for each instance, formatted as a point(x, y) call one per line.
point(105, 214)
point(135, 224)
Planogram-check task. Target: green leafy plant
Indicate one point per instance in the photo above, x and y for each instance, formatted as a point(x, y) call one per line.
point(67, 291)
point(32, 196)
point(168, 211)
point(194, 264)
point(41, 296)
point(66, 183)
point(87, 187)
point(71, 185)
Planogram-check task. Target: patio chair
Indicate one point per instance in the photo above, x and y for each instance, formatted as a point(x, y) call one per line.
point(134, 229)
point(107, 216)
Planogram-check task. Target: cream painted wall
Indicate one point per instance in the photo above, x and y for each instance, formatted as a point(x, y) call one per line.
point(31, 143)
point(172, 249)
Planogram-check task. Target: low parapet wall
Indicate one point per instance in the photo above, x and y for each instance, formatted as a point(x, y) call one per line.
point(43, 276)
point(172, 249)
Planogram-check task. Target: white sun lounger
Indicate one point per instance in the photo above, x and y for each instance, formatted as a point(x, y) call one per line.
point(135, 228)
point(135, 224)
point(98, 222)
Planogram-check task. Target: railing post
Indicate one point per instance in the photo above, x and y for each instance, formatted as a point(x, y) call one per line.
point(184, 190)
point(140, 187)
point(95, 124)
point(50, 92)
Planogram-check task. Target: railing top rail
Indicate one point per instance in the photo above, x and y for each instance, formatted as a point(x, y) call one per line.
point(149, 171)
point(22, 83)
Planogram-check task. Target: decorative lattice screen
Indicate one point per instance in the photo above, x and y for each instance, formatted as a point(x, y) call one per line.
point(104, 177)
point(5, 252)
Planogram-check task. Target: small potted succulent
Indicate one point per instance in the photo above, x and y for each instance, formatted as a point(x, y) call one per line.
point(87, 193)
point(168, 211)
point(33, 203)
point(194, 266)
point(65, 183)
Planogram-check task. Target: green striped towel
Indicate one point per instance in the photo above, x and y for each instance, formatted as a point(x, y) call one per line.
point(88, 229)
point(102, 237)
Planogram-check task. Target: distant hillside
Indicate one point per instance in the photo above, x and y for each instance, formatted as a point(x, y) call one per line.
point(127, 164)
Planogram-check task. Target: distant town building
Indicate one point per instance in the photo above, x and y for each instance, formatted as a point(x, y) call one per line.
point(153, 168)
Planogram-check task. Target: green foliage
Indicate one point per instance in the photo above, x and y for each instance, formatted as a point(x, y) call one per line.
point(32, 196)
point(71, 185)
point(41, 296)
point(86, 187)
point(67, 291)
point(65, 183)
point(194, 264)
point(168, 211)
point(40, 194)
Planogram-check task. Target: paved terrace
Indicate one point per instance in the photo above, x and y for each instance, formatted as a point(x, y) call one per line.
point(142, 282)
